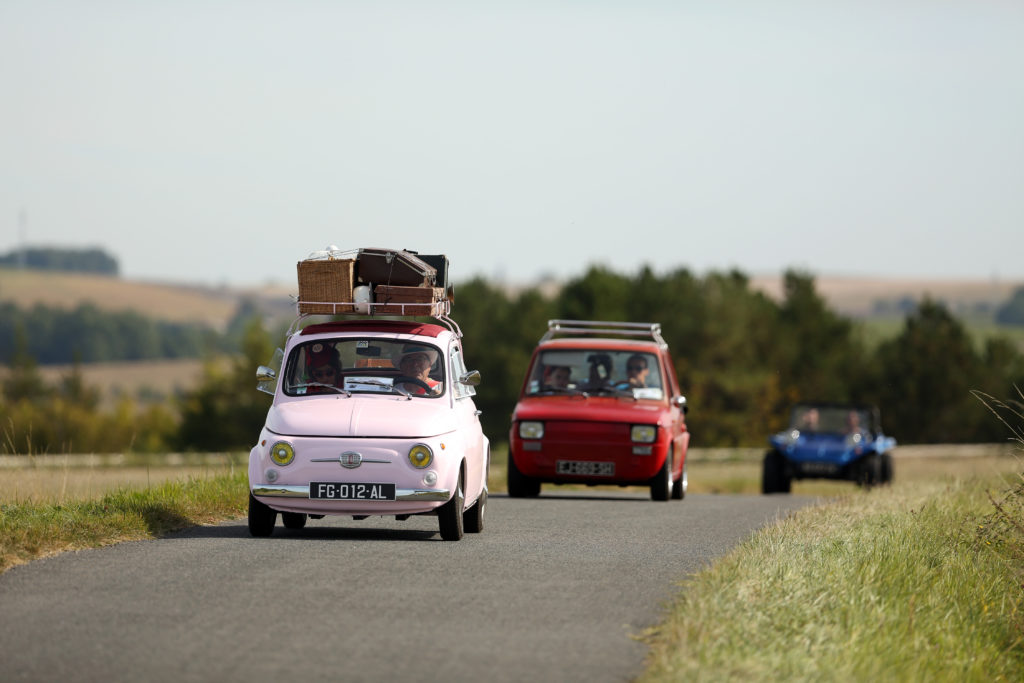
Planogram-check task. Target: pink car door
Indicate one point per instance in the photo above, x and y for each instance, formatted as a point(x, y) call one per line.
point(468, 421)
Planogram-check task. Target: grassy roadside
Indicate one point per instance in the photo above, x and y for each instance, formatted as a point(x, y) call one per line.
point(54, 507)
point(918, 581)
point(29, 530)
point(903, 583)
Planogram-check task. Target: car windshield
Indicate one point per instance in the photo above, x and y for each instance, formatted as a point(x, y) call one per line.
point(831, 419)
point(592, 371)
point(351, 365)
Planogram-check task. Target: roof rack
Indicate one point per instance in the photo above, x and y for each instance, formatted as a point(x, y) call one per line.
point(440, 312)
point(598, 327)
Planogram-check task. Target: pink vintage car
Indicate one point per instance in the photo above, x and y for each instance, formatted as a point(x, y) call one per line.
point(370, 417)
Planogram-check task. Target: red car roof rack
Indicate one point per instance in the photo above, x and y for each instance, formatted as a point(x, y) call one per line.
point(604, 328)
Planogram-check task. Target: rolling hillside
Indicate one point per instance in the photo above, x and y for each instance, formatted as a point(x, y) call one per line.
point(163, 301)
point(860, 297)
point(857, 297)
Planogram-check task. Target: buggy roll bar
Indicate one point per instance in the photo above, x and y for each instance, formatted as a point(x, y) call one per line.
point(598, 327)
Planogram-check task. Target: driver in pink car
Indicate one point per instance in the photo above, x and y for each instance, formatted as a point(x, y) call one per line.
point(415, 361)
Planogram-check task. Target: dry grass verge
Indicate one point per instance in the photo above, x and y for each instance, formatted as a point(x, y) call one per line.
point(29, 530)
point(889, 584)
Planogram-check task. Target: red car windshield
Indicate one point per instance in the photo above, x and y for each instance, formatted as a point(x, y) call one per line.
point(593, 370)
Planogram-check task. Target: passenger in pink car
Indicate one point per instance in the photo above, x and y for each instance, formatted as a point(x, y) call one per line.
point(323, 366)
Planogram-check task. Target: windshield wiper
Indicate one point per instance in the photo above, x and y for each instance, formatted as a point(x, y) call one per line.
point(395, 389)
point(559, 390)
point(321, 384)
point(611, 389)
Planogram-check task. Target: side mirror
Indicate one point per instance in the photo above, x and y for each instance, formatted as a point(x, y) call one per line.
point(681, 402)
point(471, 378)
point(266, 379)
point(266, 375)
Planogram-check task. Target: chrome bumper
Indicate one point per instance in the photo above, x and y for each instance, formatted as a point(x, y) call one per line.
point(303, 492)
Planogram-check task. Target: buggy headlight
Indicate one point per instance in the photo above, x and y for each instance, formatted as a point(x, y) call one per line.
point(531, 430)
point(643, 433)
point(282, 453)
point(420, 455)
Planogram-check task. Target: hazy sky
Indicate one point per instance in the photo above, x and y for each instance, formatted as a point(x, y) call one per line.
point(220, 142)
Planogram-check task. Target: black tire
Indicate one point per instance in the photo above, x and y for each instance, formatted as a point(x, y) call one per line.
point(473, 518)
point(773, 475)
point(869, 470)
point(293, 520)
point(661, 483)
point(261, 518)
point(886, 468)
point(520, 485)
point(449, 515)
point(679, 487)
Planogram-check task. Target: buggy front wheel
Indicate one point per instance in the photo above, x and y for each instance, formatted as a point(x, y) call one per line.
point(774, 478)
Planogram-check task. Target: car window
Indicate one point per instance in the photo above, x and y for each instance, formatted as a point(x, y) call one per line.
point(458, 370)
point(587, 369)
point(369, 365)
point(830, 419)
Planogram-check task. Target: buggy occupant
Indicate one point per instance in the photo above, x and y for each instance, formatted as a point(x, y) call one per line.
point(809, 420)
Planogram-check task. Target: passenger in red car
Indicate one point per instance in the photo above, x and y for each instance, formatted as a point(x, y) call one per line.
point(600, 370)
point(557, 376)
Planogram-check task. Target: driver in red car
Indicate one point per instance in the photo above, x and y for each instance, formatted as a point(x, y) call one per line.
point(415, 362)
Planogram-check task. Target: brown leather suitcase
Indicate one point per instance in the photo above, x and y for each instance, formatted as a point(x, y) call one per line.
point(399, 300)
point(391, 267)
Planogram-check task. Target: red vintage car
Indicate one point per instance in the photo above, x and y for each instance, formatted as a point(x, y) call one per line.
point(600, 405)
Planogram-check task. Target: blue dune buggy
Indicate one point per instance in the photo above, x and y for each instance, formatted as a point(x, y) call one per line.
point(829, 441)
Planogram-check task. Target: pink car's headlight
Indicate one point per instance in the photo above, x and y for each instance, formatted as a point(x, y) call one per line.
point(421, 456)
point(282, 453)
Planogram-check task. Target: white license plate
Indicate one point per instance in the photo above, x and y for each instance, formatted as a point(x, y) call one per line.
point(332, 490)
point(819, 468)
point(593, 469)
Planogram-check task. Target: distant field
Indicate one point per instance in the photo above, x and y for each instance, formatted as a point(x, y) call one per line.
point(856, 296)
point(152, 378)
point(162, 301)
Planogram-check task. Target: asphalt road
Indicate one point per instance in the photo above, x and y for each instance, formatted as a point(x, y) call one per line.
point(554, 589)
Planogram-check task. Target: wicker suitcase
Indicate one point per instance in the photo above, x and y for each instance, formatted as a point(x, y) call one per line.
point(325, 285)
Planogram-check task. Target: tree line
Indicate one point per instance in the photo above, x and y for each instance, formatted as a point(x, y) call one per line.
point(87, 334)
point(69, 260)
point(742, 359)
